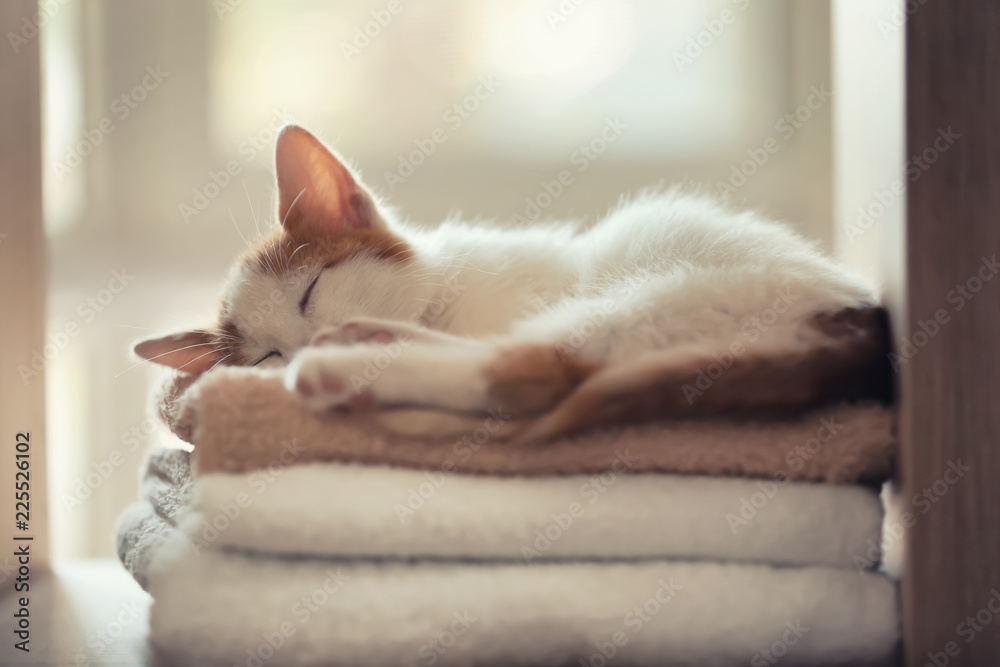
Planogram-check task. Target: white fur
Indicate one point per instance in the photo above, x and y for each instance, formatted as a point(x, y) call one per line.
point(663, 270)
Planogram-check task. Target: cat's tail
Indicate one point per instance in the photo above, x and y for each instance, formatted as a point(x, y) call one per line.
point(836, 356)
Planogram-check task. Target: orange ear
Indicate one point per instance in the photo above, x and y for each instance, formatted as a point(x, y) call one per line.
point(190, 351)
point(317, 193)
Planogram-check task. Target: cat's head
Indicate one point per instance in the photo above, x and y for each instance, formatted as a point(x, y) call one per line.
point(330, 257)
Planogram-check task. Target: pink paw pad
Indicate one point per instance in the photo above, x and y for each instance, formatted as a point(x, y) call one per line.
point(304, 388)
point(331, 383)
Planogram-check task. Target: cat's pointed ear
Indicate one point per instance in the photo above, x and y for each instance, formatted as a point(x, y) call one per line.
point(189, 351)
point(317, 193)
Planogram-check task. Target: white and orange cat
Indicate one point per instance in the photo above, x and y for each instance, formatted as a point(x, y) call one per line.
point(670, 305)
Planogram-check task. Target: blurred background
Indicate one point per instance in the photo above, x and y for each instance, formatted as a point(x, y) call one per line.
point(160, 119)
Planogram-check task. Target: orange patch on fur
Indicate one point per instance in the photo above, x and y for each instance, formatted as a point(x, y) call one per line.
point(530, 379)
point(284, 253)
point(229, 345)
point(846, 359)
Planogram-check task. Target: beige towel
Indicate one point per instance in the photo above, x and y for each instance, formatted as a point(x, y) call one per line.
point(241, 419)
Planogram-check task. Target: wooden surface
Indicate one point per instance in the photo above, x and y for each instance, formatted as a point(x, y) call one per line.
point(23, 277)
point(951, 408)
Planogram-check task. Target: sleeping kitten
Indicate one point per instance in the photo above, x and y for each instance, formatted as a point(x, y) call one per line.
point(705, 311)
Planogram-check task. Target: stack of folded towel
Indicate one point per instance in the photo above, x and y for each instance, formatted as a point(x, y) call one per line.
point(303, 539)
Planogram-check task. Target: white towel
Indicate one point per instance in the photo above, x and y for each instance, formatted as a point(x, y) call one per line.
point(227, 608)
point(328, 509)
point(218, 606)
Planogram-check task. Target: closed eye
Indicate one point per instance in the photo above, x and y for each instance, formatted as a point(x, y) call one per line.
point(269, 355)
point(304, 301)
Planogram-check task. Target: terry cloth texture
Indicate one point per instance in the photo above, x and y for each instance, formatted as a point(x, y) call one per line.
point(221, 607)
point(217, 605)
point(352, 511)
point(243, 419)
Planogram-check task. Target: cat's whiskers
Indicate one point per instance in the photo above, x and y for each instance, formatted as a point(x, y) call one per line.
point(233, 217)
point(250, 204)
point(270, 205)
point(196, 359)
point(395, 245)
point(154, 358)
point(267, 262)
point(221, 361)
point(291, 206)
point(295, 251)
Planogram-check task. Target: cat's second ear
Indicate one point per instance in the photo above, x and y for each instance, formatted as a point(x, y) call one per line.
point(189, 351)
point(317, 193)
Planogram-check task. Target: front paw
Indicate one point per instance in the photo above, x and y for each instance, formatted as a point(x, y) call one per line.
point(323, 380)
point(355, 331)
